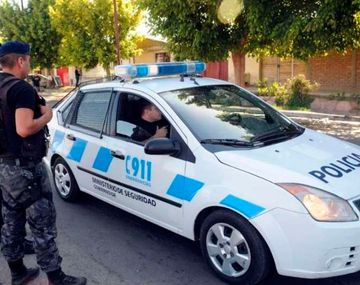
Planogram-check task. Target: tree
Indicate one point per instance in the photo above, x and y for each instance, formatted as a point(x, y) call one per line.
point(31, 25)
point(197, 29)
point(87, 31)
point(302, 28)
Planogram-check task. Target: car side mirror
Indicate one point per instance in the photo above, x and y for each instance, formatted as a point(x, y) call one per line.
point(162, 146)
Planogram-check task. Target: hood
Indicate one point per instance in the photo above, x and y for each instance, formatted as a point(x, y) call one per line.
point(312, 159)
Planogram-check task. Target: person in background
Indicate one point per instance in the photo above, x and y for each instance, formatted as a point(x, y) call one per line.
point(36, 81)
point(77, 76)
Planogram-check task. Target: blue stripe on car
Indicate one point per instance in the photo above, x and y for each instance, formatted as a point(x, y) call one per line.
point(248, 209)
point(184, 188)
point(77, 150)
point(58, 139)
point(103, 159)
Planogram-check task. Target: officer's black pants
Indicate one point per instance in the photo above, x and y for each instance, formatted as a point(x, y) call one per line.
point(17, 184)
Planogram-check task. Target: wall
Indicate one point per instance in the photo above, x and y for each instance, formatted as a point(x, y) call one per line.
point(252, 68)
point(336, 72)
point(218, 69)
point(276, 69)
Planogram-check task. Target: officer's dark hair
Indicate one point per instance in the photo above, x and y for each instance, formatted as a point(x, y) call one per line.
point(9, 60)
point(144, 105)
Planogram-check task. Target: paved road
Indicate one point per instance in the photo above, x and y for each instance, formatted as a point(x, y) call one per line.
point(112, 247)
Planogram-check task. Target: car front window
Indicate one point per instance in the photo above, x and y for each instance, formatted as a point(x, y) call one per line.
point(227, 114)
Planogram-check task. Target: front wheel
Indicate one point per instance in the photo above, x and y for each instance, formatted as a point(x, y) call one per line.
point(64, 179)
point(234, 249)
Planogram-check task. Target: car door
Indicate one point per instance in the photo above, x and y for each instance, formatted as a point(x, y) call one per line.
point(140, 181)
point(84, 136)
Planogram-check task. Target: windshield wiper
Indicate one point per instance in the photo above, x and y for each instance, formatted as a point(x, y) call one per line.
point(281, 132)
point(231, 142)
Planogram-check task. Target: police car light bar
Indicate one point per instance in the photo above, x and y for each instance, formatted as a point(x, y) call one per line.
point(159, 69)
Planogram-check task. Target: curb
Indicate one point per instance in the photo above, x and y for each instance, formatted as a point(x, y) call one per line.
point(314, 115)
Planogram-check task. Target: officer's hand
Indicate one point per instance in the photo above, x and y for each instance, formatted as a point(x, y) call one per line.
point(46, 111)
point(161, 133)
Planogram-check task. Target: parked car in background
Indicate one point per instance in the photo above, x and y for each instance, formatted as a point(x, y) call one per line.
point(45, 81)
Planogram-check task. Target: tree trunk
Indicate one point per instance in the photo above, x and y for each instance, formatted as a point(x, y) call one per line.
point(117, 34)
point(107, 69)
point(239, 67)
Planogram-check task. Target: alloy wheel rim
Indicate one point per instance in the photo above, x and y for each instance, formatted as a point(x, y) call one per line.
point(62, 179)
point(228, 250)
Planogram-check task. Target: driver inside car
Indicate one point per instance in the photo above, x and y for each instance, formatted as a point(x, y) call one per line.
point(150, 124)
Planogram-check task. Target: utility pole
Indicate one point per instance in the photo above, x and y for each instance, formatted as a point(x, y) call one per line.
point(117, 35)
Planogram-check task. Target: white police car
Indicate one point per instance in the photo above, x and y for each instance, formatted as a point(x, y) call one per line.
point(253, 186)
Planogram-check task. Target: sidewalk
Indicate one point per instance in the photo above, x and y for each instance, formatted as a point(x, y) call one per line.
point(54, 95)
point(315, 115)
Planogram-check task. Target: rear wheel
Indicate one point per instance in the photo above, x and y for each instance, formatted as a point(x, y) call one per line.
point(234, 249)
point(64, 179)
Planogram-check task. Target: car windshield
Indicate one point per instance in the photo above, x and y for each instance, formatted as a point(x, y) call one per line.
point(229, 115)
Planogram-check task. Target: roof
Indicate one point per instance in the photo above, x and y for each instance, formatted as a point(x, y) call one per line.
point(159, 85)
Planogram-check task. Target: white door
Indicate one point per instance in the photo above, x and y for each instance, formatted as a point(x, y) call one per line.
point(140, 181)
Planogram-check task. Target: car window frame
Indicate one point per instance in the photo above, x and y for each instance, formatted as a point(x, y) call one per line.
point(116, 105)
point(70, 120)
point(175, 134)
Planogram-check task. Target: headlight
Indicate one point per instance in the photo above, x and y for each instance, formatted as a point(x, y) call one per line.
point(322, 206)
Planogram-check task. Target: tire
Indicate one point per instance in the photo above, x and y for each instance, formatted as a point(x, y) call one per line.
point(64, 180)
point(234, 249)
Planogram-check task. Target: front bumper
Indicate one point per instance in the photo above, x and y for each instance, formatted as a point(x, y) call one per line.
point(305, 248)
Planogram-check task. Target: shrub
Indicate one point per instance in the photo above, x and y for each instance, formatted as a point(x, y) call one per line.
point(279, 92)
point(262, 87)
point(294, 94)
point(299, 88)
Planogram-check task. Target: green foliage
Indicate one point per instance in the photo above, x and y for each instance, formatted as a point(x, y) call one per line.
point(302, 28)
point(31, 25)
point(299, 88)
point(339, 96)
point(87, 31)
point(193, 29)
point(357, 99)
point(279, 92)
point(294, 94)
point(275, 89)
point(262, 87)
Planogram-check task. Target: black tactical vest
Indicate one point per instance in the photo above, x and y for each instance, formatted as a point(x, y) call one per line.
point(33, 148)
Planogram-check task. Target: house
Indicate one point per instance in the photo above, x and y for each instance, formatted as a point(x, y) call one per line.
point(153, 51)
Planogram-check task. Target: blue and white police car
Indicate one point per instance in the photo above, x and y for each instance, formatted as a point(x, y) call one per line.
point(254, 187)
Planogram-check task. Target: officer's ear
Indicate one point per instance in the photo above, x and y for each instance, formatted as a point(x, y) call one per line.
point(21, 60)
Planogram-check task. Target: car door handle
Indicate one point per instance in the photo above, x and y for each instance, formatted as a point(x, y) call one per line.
point(71, 137)
point(117, 154)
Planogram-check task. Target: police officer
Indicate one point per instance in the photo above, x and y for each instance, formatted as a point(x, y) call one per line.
point(24, 182)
